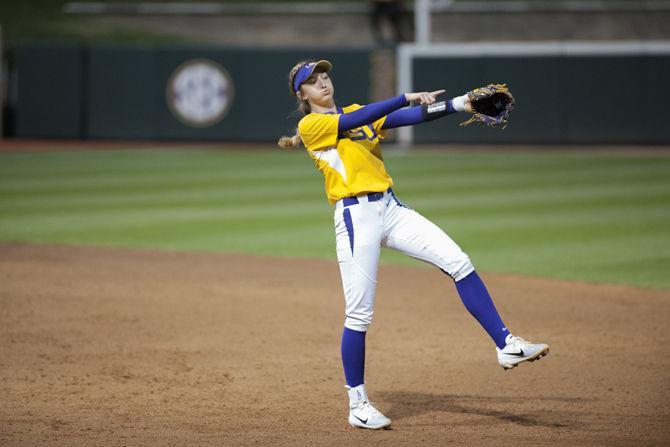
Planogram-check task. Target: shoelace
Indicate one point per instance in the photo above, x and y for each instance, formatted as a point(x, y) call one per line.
point(519, 342)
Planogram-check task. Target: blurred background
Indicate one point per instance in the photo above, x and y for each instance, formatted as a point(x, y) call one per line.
point(197, 70)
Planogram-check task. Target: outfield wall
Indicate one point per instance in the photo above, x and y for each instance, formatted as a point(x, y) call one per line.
point(127, 92)
point(131, 92)
point(566, 91)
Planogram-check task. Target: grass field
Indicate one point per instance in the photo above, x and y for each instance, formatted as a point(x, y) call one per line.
point(591, 216)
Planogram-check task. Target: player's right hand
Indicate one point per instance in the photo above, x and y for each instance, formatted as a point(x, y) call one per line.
point(423, 97)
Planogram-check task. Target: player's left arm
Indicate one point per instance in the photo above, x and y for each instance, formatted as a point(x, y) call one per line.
point(490, 105)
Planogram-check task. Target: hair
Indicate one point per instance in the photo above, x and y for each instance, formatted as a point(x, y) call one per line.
point(286, 142)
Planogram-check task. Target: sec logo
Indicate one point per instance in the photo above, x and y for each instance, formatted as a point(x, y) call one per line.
point(200, 92)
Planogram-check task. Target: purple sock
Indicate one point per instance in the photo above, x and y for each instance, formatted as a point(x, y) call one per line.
point(477, 300)
point(353, 356)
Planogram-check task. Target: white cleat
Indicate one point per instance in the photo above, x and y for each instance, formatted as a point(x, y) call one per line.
point(361, 412)
point(519, 350)
point(364, 415)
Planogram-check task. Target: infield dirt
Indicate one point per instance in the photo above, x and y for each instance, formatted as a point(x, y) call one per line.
point(127, 347)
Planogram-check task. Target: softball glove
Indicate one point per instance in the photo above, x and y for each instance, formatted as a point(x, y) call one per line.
point(490, 105)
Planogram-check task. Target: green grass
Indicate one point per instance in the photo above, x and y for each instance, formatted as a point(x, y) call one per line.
point(591, 216)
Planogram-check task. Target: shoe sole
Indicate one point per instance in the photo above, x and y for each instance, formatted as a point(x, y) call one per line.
point(537, 356)
point(370, 427)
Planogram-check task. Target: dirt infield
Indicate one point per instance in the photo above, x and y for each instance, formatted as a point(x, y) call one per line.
point(121, 347)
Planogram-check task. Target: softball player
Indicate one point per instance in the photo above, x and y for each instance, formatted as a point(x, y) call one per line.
point(344, 144)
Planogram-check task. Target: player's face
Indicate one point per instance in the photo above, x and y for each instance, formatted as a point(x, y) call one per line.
point(318, 89)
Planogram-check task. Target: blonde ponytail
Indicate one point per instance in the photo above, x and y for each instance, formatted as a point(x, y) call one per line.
point(287, 142)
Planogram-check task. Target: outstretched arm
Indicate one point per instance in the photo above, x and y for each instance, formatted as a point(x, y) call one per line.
point(423, 113)
point(373, 111)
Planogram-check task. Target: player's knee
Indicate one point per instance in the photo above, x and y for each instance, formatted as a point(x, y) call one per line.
point(358, 322)
point(461, 268)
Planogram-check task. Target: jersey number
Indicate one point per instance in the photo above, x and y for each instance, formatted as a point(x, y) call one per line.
point(362, 133)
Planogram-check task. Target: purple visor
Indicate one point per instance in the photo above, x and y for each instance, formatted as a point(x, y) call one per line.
point(306, 71)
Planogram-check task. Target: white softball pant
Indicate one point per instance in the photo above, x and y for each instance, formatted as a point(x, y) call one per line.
point(377, 220)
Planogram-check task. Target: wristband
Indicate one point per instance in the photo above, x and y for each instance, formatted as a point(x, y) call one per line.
point(459, 103)
point(437, 110)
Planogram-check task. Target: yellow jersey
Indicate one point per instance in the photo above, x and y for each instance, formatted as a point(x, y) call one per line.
point(351, 161)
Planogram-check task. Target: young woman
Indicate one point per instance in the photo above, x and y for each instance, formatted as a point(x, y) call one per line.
point(344, 144)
